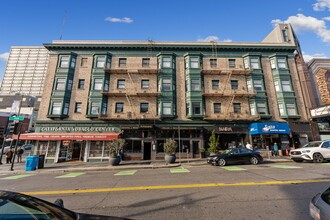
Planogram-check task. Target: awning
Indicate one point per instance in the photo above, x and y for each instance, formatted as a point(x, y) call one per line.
point(269, 128)
point(68, 136)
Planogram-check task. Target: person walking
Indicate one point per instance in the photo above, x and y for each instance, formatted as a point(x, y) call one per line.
point(20, 152)
point(248, 146)
point(9, 156)
point(275, 149)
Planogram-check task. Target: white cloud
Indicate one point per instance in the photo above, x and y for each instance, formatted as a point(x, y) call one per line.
point(308, 57)
point(119, 20)
point(213, 39)
point(321, 5)
point(4, 56)
point(301, 23)
point(326, 18)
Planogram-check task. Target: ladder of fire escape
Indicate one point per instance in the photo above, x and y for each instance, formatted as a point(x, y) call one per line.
point(229, 105)
point(128, 96)
point(150, 47)
point(214, 49)
point(227, 81)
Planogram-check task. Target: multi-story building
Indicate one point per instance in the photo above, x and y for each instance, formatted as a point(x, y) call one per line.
point(151, 91)
point(320, 75)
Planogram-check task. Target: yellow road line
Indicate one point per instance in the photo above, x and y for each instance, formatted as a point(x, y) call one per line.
point(181, 186)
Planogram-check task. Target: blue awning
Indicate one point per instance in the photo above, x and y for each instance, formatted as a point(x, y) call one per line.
point(269, 128)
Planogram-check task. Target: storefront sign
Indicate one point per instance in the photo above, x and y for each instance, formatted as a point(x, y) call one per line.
point(322, 81)
point(269, 128)
point(225, 129)
point(322, 111)
point(79, 129)
point(68, 136)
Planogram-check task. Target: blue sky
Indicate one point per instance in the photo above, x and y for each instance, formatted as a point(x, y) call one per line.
point(34, 22)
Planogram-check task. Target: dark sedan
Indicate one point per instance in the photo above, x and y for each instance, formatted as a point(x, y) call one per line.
point(15, 205)
point(235, 156)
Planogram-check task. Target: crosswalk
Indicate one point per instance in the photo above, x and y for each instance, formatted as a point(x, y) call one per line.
point(175, 171)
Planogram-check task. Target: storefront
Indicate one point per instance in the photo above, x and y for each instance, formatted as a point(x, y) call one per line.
point(265, 134)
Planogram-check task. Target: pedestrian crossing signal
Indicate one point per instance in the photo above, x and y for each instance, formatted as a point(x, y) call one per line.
point(12, 128)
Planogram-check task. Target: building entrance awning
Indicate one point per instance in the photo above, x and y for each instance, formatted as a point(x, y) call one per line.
point(269, 128)
point(68, 136)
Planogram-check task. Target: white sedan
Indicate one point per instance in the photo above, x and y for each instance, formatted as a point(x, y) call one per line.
point(316, 151)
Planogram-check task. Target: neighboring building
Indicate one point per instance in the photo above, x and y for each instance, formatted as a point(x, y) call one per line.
point(152, 91)
point(319, 69)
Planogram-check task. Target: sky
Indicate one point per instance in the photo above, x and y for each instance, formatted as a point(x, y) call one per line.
point(35, 22)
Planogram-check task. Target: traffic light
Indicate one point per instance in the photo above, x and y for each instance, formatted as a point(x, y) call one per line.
point(12, 128)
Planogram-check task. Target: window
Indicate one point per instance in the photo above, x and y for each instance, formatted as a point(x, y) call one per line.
point(144, 107)
point(77, 108)
point(272, 64)
point(195, 85)
point(108, 64)
point(145, 84)
point(64, 62)
point(104, 108)
point(119, 107)
point(286, 87)
point(121, 84)
point(255, 63)
point(261, 108)
point(194, 62)
point(215, 84)
point(60, 84)
point(166, 108)
point(106, 85)
point(232, 63)
point(145, 62)
point(166, 62)
point(66, 109)
point(285, 35)
point(257, 84)
point(291, 109)
point(281, 62)
point(213, 63)
point(234, 84)
point(217, 107)
point(69, 87)
point(196, 108)
point(246, 63)
point(277, 86)
point(166, 85)
point(73, 62)
point(95, 108)
point(281, 109)
point(98, 84)
point(83, 62)
point(122, 62)
point(252, 109)
point(237, 107)
point(81, 84)
point(56, 108)
point(100, 61)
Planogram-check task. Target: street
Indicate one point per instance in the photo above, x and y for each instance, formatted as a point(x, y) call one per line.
point(264, 191)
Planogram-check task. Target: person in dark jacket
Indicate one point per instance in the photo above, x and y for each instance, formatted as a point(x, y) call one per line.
point(9, 156)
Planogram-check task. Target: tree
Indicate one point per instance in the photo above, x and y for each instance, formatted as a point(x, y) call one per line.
point(213, 143)
point(115, 146)
point(170, 146)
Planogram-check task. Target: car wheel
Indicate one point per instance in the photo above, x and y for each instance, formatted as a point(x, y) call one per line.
point(254, 160)
point(222, 162)
point(318, 158)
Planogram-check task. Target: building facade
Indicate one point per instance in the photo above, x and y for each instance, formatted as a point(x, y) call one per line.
point(320, 75)
point(151, 91)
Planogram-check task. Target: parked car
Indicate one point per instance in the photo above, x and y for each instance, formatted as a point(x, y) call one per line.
point(20, 206)
point(27, 147)
point(316, 151)
point(319, 206)
point(236, 156)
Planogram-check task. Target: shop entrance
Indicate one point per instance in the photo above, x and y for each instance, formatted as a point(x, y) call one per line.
point(147, 151)
point(76, 150)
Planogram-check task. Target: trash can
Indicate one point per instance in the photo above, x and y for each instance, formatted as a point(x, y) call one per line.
point(41, 161)
point(31, 163)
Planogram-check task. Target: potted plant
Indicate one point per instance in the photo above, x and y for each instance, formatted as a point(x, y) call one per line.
point(213, 144)
point(170, 146)
point(115, 148)
point(202, 151)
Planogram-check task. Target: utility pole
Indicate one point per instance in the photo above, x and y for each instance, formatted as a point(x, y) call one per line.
point(19, 126)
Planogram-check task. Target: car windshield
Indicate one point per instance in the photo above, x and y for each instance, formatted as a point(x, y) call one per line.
point(18, 206)
point(313, 144)
point(226, 151)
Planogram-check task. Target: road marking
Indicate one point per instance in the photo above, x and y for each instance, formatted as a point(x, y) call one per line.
point(71, 175)
point(282, 166)
point(179, 170)
point(325, 163)
point(233, 168)
point(126, 172)
point(183, 186)
point(17, 177)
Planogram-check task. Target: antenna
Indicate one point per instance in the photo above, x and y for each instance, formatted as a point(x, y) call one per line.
point(62, 28)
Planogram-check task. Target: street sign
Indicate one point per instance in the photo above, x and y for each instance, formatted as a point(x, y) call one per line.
point(16, 118)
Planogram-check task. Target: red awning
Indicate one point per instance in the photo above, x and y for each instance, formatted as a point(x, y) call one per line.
point(68, 136)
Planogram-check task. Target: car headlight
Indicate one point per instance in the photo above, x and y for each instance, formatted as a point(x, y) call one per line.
point(305, 151)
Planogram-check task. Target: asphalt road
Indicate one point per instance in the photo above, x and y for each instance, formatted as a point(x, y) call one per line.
point(265, 191)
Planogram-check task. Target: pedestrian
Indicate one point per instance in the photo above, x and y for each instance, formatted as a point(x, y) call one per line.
point(20, 152)
point(248, 146)
point(275, 149)
point(9, 156)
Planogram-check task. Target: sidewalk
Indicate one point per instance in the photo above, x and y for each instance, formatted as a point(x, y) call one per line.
point(72, 166)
